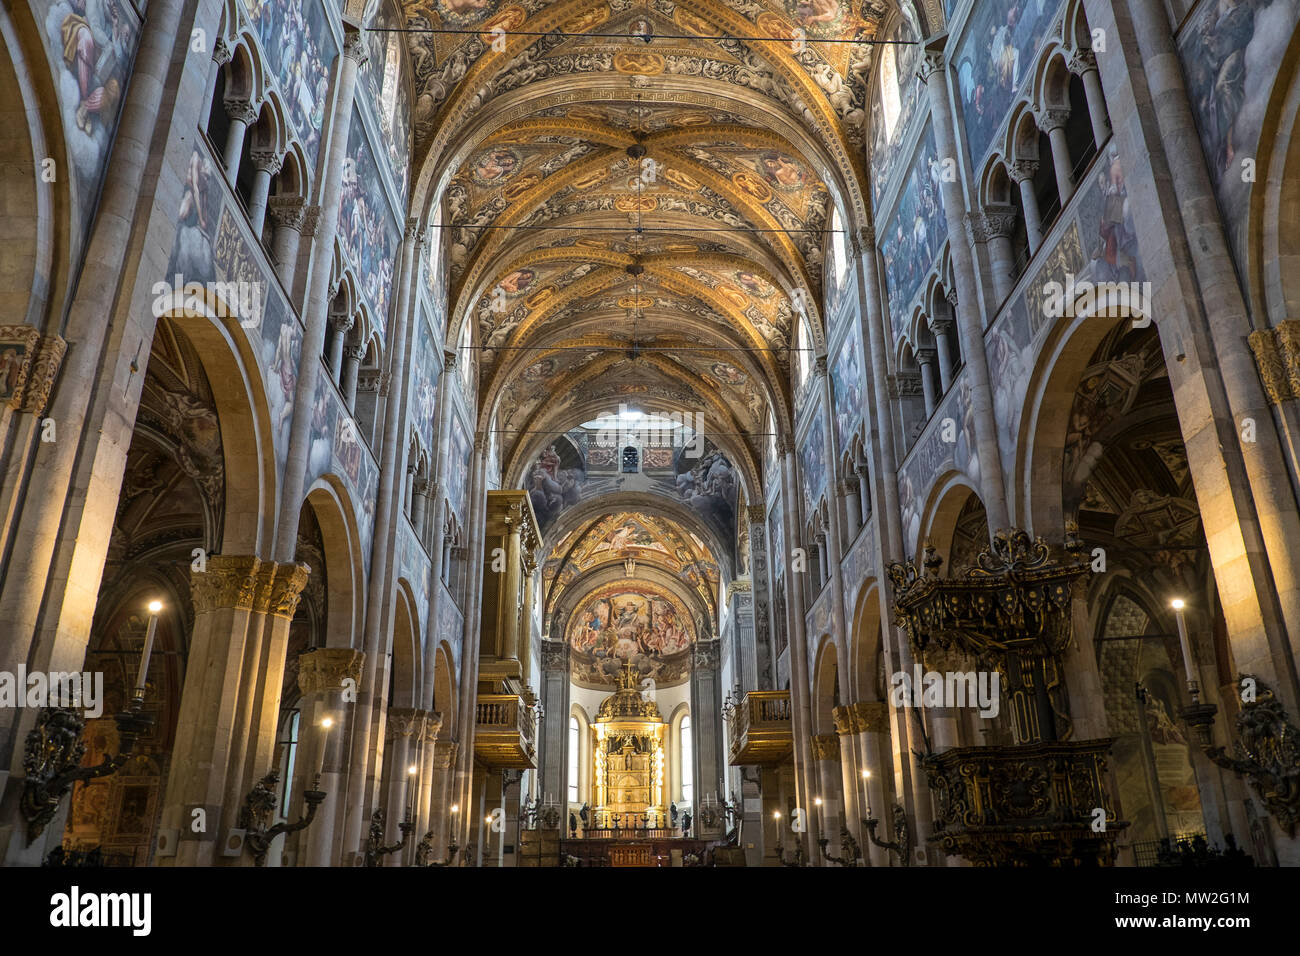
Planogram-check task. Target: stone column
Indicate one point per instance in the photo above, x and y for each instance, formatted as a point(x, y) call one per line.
point(852, 509)
point(287, 214)
point(425, 789)
point(998, 222)
point(760, 576)
point(341, 323)
point(221, 54)
point(267, 163)
point(552, 758)
point(864, 491)
point(510, 592)
point(942, 329)
point(351, 372)
point(361, 788)
point(402, 731)
point(225, 598)
point(909, 779)
point(706, 714)
point(827, 816)
point(419, 507)
point(868, 722)
point(1022, 173)
point(970, 323)
point(800, 694)
point(315, 315)
point(847, 727)
point(1052, 122)
point(926, 358)
point(1084, 64)
point(444, 809)
point(243, 114)
point(328, 678)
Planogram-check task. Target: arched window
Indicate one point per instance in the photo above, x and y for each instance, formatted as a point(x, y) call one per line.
point(575, 742)
point(688, 761)
point(630, 460)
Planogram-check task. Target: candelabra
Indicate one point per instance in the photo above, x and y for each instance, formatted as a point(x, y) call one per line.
point(798, 855)
point(425, 847)
point(52, 759)
point(902, 842)
point(259, 808)
point(846, 840)
point(375, 849)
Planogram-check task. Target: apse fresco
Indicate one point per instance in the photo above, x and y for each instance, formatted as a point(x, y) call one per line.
point(555, 480)
point(896, 100)
point(995, 57)
point(299, 50)
point(915, 233)
point(846, 384)
point(1232, 52)
point(709, 485)
point(366, 227)
point(812, 461)
point(92, 43)
point(385, 78)
point(634, 623)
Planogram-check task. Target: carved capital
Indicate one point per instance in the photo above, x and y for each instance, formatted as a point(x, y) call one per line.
point(221, 52)
point(1082, 61)
point(755, 513)
point(444, 754)
point(1021, 169)
point(33, 363)
point(1050, 119)
point(238, 108)
point(826, 747)
point(413, 232)
point(287, 211)
point(941, 327)
point(227, 581)
point(404, 722)
point(864, 240)
point(555, 655)
point(705, 654)
point(323, 669)
point(290, 579)
point(819, 366)
point(1277, 354)
point(310, 220)
point(432, 726)
point(930, 64)
point(267, 160)
point(354, 45)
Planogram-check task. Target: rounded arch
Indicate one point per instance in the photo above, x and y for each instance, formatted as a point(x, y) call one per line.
point(444, 690)
point(947, 499)
point(344, 574)
point(866, 643)
point(406, 648)
point(825, 685)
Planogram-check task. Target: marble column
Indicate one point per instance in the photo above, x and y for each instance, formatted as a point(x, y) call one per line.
point(852, 510)
point(553, 760)
point(706, 711)
point(341, 323)
point(351, 374)
point(1022, 173)
point(826, 758)
point(266, 163)
point(287, 214)
point(1083, 63)
point(403, 729)
point(382, 583)
point(1052, 122)
point(926, 358)
point(243, 114)
point(998, 224)
point(221, 54)
point(328, 678)
point(942, 329)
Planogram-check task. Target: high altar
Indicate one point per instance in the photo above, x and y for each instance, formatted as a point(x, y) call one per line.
point(630, 753)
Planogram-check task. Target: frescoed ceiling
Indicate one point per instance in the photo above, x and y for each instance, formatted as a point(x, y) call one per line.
point(636, 198)
point(649, 539)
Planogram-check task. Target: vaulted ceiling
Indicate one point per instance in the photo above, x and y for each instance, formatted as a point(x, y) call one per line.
point(635, 198)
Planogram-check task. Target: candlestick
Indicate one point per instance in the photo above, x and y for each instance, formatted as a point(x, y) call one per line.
point(411, 771)
point(325, 724)
point(1178, 604)
point(154, 608)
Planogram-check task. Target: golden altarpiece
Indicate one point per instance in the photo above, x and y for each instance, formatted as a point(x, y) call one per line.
point(629, 753)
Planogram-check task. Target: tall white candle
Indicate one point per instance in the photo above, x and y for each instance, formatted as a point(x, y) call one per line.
point(150, 634)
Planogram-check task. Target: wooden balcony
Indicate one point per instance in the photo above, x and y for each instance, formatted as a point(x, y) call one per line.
point(505, 732)
point(760, 729)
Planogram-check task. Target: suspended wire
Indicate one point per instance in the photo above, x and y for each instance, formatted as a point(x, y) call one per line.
point(646, 37)
point(636, 229)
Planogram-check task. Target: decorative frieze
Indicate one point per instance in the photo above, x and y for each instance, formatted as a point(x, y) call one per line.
point(1277, 354)
point(29, 364)
point(227, 581)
